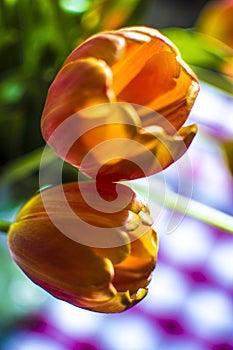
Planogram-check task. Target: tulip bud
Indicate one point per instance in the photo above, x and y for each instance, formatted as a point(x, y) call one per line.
point(120, 99)
point(100, 261)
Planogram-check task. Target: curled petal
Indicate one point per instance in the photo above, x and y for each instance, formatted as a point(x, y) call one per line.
point(121, 301)
point(135, 270)
point(154, 75)
point(155, 78)
point(153, 151)
point(167, 149)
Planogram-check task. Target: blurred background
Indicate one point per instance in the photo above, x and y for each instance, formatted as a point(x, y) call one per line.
point(190, 300)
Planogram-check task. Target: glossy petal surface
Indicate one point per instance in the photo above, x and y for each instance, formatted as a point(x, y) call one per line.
point(92, 112)
point(107, 278)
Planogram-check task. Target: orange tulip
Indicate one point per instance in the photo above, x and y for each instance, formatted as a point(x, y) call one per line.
point(116, 108)
point(101, 261)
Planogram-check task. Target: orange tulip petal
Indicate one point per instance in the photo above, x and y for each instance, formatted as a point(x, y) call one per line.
point(107, 47)
point(170, 149)
point(135, 271)
point(104, 122)
point(158, 76)
point(137, 54)
point(160, 150)
point(55, 259)
point(155, 76)
point(78, 85)
point(174, 107)
point(121, 301)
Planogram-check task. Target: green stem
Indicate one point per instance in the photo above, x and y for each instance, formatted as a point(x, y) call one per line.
point(201, 212)
point(4, 226)
point(190, 207)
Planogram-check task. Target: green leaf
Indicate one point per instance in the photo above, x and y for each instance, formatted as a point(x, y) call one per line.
point(24, 166)
point(186, 206)
point(216, 79)
point(4, 226)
